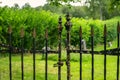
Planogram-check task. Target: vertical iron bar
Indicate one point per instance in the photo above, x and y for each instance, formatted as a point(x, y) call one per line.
point(80, 47)
point(105, 35)
point(59, 50)
point(34, 52)
point(46, 55)
point(10, 53)
point(92, 49)
point(22, 52)
point(68, 55)
point(68, 26)
point(118, 45)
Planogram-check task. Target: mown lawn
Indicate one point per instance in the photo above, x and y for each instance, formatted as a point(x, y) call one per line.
point(52, 71)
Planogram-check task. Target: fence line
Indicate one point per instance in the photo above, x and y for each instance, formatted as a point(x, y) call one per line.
point(68, 25)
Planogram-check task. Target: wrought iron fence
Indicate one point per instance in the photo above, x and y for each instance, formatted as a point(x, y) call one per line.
point(68, 25)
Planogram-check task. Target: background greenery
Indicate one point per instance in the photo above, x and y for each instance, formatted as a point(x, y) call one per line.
point(96, 15)
point(29, 18)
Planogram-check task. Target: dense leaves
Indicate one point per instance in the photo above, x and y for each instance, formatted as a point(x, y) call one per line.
point(27, 18)
point(30, 18)
point(96, 9)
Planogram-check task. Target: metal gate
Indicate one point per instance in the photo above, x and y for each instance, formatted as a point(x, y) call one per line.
point(68, 26)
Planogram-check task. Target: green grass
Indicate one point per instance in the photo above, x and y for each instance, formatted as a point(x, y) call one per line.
point(52, 71)
point(101, 46)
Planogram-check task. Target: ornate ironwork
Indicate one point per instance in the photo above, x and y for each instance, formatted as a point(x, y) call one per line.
point(68, 26)
point(59, 49)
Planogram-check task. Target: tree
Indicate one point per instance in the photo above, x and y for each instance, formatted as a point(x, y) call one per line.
point(115, 3)
point(102, 9)
point(59, 2)
point(52, 8)
point(26, 6)
point(97, 8)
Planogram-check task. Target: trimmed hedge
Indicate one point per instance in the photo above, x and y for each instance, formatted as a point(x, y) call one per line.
point(40, 19)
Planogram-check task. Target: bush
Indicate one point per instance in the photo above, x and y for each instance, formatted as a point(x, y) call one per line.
point(40, 19)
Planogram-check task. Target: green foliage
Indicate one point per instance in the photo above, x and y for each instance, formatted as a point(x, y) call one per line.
point(59, 2)
point(40, 19)
point(86, 27)
point(98, 30)
point(28, 18)
point(112, 28)
point(96, 9)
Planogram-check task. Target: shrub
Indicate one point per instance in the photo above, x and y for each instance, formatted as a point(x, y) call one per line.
point(40, 19)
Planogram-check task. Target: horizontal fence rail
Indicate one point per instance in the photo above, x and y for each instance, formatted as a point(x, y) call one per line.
point(112, 52)
point(8, 48)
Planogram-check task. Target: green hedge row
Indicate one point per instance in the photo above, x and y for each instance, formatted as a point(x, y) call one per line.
point(40, 19)
point(98, 29)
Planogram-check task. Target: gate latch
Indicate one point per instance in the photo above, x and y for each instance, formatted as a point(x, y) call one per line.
point(60, 63)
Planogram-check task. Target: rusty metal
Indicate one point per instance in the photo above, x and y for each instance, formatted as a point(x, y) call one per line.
point(118, 27)
point(22, 52)
point(60, 63)
point(46, 34)
point(92, 50)
point(59, 49)
point(34, 52)
point(111, 52)
point(80, 31)
point(80, 47)
point(34, 33)
point(22, 32)
point(92, 31)
point(105, 31)
point(118, 46)
point(105, 39)
point(9, 30)
point(46, 55)
point(68, 26)
point(11, 49)
point(10, 52)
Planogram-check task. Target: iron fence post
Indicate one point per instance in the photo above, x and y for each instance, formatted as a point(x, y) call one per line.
point(10, 52)
point(68, 26)
point(34, 52)
point(59, 50)
point(46, 55)
point(118, 46)
point(92, 50)
point(22, 52)
point(80, 47)
point(105, 38)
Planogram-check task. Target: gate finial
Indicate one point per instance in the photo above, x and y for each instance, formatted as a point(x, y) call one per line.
point(105, 30)
point(22, 32)
point(92, 31)
point(68, 24)
point(118, 27)
point(9, 30)
point(80, 31)
point(46, 33)
point(34, 33)
point(60, 24)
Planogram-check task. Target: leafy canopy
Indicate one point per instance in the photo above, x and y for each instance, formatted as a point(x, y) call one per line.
point(59, 2)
